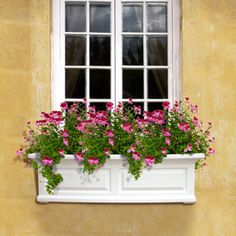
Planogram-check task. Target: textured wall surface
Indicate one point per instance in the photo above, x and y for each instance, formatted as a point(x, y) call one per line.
point(209, 78)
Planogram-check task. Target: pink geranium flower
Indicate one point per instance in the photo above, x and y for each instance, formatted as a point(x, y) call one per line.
point(65, 142)
point(110, 133)
point(184, 126)
point(136, 156)
point(166, 105)
point(188, 148)
point(111, 141)
point(79, 156)
point(65, 133)
point(149, 160)
point(107, 151)
point(109, 106)
point(137, 110)
point(163, 151)
point(211, 151)
point(93, 160)
point(166, 132)
point(168, 141)
point(19, 151)
point(64, 106)
point(127, 127)
point(61, 151)
point(47, 161)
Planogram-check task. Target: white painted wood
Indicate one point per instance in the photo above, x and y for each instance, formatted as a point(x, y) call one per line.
point(58, 50)
point(170, 181)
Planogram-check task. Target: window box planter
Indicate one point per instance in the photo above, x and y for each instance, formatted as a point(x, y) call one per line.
point(172, 181)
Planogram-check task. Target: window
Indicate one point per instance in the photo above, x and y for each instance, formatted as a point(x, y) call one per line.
point(113, 50)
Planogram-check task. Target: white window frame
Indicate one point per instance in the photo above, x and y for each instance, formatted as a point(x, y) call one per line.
point(58, 53)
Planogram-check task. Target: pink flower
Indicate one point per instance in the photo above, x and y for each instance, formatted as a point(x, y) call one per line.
point(168, 141)
point(184, 126)
point(64, 134)
point(107, 151)
point(40, 122)
point(81, 127)
point(163, 151)
point(85, 101)
point(65, 142)
point(195, 121)
point(194, 108)
point(19, 151)
point(111, 141)
point(127, 127)
point(149, 160)
point(176, 106)
point(109, 106)
point(130, 101)
point(211, 139)
point(61, 151)
point(166, 105)
point(188, 148)
point(79, 156)
point(47, 161)
point(93, 160)
point(211, 151)
point(136, 156)
point(64, 106)
point(137, 110)
point(187, 99)
point(110, 133)
point(166, 132)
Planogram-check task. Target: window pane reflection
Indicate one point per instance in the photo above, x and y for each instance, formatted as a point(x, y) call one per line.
point(75, 17)
point(132, 18)
point(100, 81)
point(100, 15)
point(75, 83)
point(100, 51)
point(157, 17)
point(75, 50)
point(132, 50)
point(157, 84)
point(132, 83)
point(157, 50)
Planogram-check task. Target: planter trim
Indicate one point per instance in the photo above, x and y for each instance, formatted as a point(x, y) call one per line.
point(170, 181)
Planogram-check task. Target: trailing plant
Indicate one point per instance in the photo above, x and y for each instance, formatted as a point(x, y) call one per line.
point(92, 136)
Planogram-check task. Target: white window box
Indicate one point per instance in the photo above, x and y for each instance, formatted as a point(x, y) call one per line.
point(171, 181)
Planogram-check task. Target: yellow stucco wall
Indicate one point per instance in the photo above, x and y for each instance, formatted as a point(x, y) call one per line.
point(209, 78)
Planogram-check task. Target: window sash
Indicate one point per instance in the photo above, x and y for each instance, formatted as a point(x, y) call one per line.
point(58, 52)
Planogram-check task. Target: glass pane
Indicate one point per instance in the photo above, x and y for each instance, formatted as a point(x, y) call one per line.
point(157, 84)
point(100, 106)
point(100, 81)
point(132, 18)
point(157, 50)
point(75, 83)
point(133, 50)
point(100, 51)
point(155, 106)
point(157, 17)
point(100, 17)
point(75, 50)
point(75, 17)
point(132, 83)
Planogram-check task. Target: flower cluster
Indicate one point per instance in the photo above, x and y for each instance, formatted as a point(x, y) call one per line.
point(92, 136)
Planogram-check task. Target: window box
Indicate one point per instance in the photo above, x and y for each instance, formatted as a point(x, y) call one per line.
point(170, 181)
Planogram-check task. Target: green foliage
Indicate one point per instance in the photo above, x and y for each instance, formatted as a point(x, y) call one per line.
point(145, 138)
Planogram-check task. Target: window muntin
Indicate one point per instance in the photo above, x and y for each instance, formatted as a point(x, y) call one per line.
point(110, 59)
